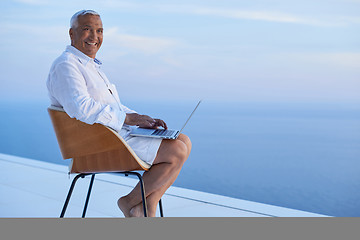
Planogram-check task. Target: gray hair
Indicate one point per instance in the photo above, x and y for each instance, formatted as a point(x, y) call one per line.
point(74, 18)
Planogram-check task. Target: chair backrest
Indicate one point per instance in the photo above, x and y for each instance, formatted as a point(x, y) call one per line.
point(93, 145)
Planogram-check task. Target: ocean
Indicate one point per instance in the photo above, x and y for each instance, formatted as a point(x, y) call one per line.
point(300, 156)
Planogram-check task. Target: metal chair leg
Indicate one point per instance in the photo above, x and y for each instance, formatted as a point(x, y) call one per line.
point(82, 175)
point(70, 192)
point(161, 208)
point(142, 190)
point(143, 193)
point(88, 195)
point(143, 196)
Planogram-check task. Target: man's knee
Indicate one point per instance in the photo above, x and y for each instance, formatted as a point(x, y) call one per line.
point(174, 151)
point(179, 149)
point(178, 152)
point(185, 139)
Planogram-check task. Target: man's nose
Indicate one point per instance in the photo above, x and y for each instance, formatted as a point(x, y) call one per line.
point(93, 34)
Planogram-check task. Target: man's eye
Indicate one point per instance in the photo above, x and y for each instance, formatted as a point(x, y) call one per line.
point(86, 29)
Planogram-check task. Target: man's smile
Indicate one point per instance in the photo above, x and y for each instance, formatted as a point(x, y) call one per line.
point(91, 43)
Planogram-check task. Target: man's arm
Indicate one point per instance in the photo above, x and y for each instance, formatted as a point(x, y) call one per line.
point(68, 86)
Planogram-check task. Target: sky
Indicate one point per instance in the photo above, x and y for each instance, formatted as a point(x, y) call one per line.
point(252, 51)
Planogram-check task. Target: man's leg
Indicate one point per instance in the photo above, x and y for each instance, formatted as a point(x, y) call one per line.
point(167, 165)
point(153, 199)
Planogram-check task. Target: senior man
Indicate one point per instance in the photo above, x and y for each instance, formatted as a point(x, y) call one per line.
point(77, 83)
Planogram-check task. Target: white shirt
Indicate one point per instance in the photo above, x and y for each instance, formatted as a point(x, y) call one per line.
point(77, 84)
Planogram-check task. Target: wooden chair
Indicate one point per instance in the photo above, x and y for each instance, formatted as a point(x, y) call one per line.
point(94, 149)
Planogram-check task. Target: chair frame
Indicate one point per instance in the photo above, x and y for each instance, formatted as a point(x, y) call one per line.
point(126, 173)
point(90, 154)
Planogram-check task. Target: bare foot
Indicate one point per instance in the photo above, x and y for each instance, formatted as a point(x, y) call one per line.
point(137, 211)
point(124, 207)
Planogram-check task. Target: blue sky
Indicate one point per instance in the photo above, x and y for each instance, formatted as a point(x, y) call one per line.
point(261, 51)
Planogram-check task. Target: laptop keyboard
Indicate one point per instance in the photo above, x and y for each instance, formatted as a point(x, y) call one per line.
point(163, 132)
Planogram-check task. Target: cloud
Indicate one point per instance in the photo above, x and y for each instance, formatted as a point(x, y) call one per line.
point(143, 44)
point(36, 32)
point(269, 16)
point(339, 59)
point(33, 2)
point(239, 13)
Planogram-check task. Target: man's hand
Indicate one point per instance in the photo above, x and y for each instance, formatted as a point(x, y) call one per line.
point(144, 121)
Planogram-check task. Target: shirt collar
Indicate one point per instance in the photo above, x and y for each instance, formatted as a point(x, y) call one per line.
point(83, 58)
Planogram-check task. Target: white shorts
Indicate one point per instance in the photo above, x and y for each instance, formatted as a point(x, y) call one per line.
point(146, 148)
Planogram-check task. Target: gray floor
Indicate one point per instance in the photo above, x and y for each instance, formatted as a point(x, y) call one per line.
point(33, 189)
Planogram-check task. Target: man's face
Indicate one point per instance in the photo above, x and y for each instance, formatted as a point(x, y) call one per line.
point(88, 35)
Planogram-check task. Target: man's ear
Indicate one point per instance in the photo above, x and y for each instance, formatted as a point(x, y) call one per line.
point(71, 33)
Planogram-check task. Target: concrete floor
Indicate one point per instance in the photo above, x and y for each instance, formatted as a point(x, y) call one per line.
point(36, 189)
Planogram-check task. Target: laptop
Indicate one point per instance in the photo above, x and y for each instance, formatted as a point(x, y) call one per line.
point(160, 133)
